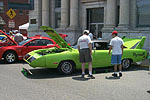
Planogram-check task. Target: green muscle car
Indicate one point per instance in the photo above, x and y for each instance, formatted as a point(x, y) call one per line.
point(66, 58)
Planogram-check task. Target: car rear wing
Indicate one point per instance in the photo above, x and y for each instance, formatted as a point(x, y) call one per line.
point(134, 43)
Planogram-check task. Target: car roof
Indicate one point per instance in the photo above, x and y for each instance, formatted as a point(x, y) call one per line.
point(39, 37)
point(101, 40)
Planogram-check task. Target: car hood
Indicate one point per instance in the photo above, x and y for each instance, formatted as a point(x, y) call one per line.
point(55, 36)
point(3, 33)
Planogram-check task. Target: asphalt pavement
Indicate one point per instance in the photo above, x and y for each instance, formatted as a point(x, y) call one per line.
point(48, 84)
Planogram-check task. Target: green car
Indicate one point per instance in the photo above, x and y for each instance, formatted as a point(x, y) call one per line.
point(66, 58)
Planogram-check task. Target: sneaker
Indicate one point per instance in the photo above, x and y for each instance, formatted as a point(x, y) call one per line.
point(115, 75)
point(82, 75)
point(91, 76)
point(120, 74)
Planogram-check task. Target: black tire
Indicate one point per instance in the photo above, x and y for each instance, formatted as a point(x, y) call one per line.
point(10, 57)
point(126, 63)
point(66, 67)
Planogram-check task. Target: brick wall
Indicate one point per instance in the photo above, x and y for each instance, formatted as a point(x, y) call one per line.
point(19, 19)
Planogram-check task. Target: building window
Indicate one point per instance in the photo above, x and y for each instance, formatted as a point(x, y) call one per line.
point(143, 13)
point(32, 21)
point(20, 12)
point(58, 19)
point(1, 27)
point(57, 13)
point(58, 3)
point(95, 20)
point(1, 7)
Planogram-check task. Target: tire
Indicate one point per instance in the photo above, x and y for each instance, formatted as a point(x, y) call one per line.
point(126, 63)
point(66, 67)
point(10, 57)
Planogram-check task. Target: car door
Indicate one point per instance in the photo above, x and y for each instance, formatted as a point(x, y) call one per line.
point(100, 54)
point(36, 44)
point(101, 58)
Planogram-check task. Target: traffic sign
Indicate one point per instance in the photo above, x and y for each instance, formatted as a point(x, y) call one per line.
point(11, 24)
point(11, 13)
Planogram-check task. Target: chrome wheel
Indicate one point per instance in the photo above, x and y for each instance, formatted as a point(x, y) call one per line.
point(126, 63)
point(66, 67)
point(10, 57)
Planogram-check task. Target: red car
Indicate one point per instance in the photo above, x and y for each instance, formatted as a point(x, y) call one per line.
point(10, 51)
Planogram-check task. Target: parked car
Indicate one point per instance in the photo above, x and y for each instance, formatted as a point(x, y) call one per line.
point(66, 59)
point(10, 51)
point(2, 37)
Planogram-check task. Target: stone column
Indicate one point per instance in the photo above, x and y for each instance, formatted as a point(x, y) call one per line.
point(74, 13)
point(64, 13)
point(36, 15)
point(111, 14)
point(45, 12)
point(52, 13)
point(124, 14)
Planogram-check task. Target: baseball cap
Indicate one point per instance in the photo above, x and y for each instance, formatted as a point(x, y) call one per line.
point(114, 32)
point(86, 31)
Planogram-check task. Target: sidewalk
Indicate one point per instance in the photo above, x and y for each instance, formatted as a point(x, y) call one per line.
point(145, 63)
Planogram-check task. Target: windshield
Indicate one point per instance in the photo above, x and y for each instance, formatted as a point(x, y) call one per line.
point(24, 41)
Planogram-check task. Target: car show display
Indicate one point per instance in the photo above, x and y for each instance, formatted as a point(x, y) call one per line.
point(66, 59)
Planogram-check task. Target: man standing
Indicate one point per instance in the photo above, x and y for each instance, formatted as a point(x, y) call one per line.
point(91, 36)
point(85, 52)
point(18, 37)
point(116, 45)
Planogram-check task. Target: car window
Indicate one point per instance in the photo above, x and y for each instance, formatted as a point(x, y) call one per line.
point(40, 42)
point(44, 42)
point(100, 45)
point(24, 41)
point(32, 43)
point(49, 42)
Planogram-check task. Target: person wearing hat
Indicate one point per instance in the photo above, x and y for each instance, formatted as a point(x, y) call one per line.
point(116, 45)
point(85, 52)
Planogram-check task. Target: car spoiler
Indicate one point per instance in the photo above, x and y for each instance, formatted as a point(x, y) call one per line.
point(133, 43)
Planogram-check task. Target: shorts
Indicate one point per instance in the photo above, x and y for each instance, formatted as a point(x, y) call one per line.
point(85, 56)
point(116, 59)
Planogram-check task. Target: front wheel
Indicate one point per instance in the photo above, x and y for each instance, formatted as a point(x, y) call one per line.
point(10, 57)
point(126, 63)
point(66, 67)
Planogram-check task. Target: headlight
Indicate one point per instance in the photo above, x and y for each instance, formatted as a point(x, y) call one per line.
point(31, 59)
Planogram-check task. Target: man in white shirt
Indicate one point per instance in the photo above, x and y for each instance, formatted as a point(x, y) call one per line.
point(85, 52)
point(116, 45)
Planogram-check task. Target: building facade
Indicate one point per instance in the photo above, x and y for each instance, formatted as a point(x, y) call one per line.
point(18, 17)
point(130, 18)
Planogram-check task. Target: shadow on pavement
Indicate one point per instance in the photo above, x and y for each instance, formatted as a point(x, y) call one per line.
point(42, 73)
point(148, 91)
point(17, 62)
point(112, 78)
point(79, 78)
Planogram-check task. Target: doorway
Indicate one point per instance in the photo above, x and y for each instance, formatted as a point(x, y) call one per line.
point(95, 21)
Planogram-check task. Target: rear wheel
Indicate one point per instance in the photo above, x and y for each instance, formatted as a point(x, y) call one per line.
point(10, 57)
point(126, 63)
point(66, 67)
